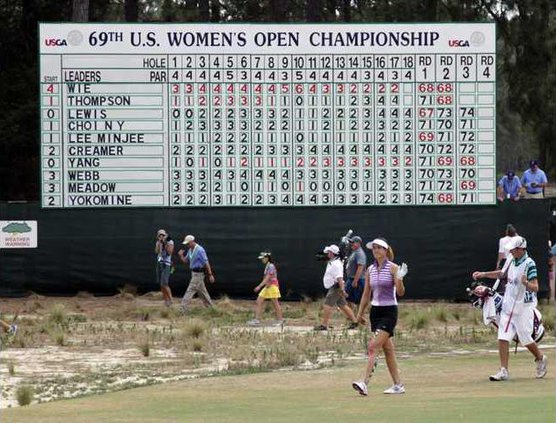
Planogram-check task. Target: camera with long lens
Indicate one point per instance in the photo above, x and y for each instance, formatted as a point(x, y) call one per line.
point(344, 248)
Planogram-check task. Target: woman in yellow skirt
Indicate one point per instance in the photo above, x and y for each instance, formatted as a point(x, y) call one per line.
point(269, 289)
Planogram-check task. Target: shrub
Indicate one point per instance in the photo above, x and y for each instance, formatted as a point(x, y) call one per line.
point(59, 338)
point(58, 315)
point(419, 321)
point(197, 346)
point(145, 347)
point(195, 328)
point(440, 314)
point(24, 395)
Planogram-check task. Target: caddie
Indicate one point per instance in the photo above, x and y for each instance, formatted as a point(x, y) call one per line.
point(519, 301)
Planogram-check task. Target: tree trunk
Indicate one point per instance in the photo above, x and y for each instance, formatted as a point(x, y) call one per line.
point(277, 11)
point(204, 10)
point(346, 6)
point(313, 11)
point(80, 11)
point(215, 10)
point(131, 10)
point(431, 7)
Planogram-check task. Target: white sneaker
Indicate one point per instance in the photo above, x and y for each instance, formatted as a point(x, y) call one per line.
point(501, 375)
point(395, 389)
point(254, 322)
point(541, 367)
point(360, 387)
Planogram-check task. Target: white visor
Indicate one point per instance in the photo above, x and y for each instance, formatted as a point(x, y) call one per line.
point(379, 242)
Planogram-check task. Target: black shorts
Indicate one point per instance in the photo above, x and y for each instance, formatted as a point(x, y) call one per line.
point(384, 318)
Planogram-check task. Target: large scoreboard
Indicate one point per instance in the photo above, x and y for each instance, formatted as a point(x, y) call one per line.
point(253, 115)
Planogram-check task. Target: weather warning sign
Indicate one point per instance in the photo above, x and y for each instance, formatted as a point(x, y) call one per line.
point(18, 234)
point(200, 115)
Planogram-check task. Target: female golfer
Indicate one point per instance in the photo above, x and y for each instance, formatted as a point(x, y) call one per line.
point(269, 289)
point(383, 280)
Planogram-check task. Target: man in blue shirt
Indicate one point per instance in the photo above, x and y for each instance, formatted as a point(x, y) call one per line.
point(534, 180)
point(509, 187)
point(197, 258)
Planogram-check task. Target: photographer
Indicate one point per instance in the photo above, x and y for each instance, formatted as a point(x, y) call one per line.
point(333, 281)
point(164, 248)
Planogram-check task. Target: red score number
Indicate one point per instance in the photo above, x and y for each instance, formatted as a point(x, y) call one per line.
point(444, 99)
point(426, 112)
point(445, 198)
point(426, 88)
point(426, 136)
point(444, 88)
point(467, 160)
point(444, 161)
point(467, 185)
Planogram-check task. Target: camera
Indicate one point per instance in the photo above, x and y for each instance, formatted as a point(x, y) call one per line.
point(344, 247)
point(321, 256)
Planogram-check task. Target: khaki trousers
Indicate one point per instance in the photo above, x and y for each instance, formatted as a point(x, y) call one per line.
point(196, 286)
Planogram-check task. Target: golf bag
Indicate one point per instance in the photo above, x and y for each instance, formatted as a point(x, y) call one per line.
point(489, 302)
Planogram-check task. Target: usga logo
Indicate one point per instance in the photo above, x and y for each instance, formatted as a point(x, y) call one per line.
point(458, 43)
point(55, 42)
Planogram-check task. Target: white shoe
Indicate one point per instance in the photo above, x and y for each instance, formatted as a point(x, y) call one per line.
point(279, 322)
point(395, 389)
point(501, 375)
point(254, 322)
point(541, 367)
point(360, 387)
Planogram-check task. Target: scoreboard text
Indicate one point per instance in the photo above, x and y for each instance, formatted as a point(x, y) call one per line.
point(203, 115)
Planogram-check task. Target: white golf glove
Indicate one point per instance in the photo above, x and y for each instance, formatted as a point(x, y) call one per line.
point(402, 271)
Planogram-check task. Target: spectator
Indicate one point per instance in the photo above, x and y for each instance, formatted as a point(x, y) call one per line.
point(509, 187)
point(503, 245)
point(355, 271)
point(534, 181)
point(196, 256)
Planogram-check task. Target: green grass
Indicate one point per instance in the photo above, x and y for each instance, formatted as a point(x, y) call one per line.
point(439, 389)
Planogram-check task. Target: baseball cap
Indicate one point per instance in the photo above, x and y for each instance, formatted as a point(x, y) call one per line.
point(379, 242)
point(510, 174)
point(161, 232)
point(188, 239)
point(517, 242)
point(264, 254)
point(332, 248)
point(356, 239)
point(533, 163)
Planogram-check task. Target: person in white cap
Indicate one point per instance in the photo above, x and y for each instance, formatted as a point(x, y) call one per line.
point(197, 258)
point(336, 295)
point(164, 248)
point(384, 282)
point(268, 289)
point(520, 298)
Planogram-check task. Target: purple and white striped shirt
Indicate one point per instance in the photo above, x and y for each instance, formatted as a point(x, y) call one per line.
point(382, 284)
